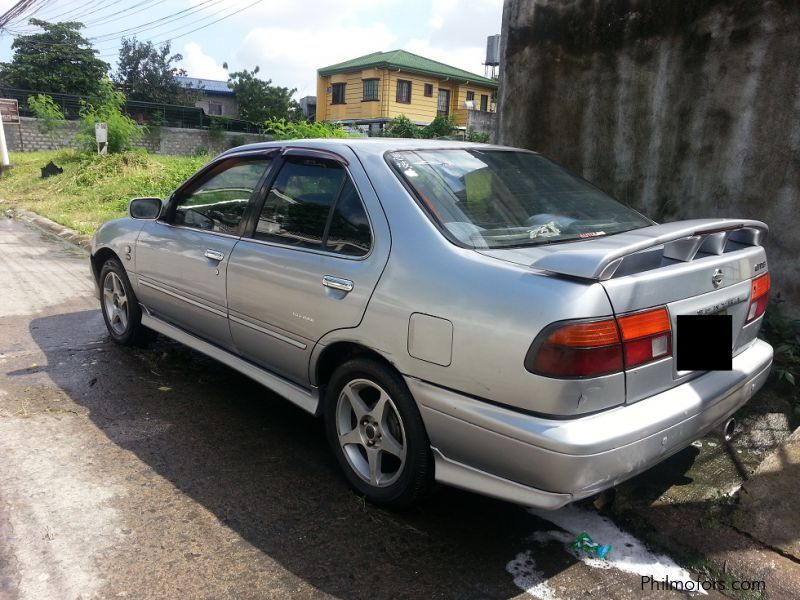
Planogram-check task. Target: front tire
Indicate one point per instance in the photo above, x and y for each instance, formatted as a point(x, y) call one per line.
point(377, 435)
point(120, 307)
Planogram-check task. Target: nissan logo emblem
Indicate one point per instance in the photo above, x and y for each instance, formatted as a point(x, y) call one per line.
point(716, 278)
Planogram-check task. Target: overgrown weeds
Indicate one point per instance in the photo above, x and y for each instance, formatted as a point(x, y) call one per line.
point(92, 189)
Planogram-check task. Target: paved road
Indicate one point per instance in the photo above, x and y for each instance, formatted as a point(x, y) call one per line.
point(158, 473)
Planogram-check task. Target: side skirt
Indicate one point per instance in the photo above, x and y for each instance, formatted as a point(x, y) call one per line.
point(306, 399)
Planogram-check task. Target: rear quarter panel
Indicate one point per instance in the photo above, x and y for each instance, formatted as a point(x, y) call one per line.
point(496, 308)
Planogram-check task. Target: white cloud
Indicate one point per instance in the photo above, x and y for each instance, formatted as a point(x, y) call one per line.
point(290, 40)
point(291, 57)
point(199, 64)
point(469, 58)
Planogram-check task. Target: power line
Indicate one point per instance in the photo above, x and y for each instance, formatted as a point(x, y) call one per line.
point(16, 11)
point(152, 25)
point(145, 26)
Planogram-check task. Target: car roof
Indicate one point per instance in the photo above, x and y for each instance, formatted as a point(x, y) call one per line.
point(364, 146)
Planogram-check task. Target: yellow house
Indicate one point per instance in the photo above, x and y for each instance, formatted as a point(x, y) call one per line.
point(375, 88)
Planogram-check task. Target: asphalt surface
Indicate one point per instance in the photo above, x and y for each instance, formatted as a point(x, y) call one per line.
point(158, 473)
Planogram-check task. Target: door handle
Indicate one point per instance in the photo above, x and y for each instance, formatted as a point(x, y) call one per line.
point(214, 254)
point(337, 283)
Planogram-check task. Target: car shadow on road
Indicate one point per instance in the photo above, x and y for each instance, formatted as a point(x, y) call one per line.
point(262, 468)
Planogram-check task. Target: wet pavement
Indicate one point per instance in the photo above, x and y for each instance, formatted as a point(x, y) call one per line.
point(158, 473)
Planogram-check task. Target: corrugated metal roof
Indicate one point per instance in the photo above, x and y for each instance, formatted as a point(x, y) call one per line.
point(212, 86)
point(401, 59)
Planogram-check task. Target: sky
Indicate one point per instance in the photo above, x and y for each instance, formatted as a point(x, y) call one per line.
point(288, 40)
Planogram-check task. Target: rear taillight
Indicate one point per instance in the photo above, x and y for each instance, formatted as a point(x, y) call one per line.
point(600, 347)
point(646, 336)
point(759, 294)
point(576, 349)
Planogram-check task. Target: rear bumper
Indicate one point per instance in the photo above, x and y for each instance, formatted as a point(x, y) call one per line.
point(550, 462)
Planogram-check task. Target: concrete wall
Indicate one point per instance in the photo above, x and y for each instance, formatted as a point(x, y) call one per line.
point(681, 109)
point(483, 122)
point(165, 140)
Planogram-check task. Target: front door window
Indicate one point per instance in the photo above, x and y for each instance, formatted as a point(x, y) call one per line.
point(218, 201)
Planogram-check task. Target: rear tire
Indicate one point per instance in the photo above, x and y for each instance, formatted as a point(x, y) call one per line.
point(120, 307)
point(377, 435)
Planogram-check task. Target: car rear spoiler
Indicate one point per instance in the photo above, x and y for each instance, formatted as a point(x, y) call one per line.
point(599, 258)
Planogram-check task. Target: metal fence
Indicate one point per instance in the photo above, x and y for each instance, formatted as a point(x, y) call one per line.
point(168, 115)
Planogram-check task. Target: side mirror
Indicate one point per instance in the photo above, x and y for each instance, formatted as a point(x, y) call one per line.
point(144, 208)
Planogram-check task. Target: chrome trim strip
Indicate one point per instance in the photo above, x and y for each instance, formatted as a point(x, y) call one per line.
point(304, 398)
point(268, 332)
point(158, 288)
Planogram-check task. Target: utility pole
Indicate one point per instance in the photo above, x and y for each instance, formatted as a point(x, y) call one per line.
point(3, 148)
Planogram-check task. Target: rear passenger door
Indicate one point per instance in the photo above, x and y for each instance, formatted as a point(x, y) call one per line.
point(309, 262)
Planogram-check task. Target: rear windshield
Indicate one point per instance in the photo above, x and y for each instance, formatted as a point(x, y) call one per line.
point(502, 199)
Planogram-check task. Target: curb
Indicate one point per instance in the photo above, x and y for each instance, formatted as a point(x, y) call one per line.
point(65, 233)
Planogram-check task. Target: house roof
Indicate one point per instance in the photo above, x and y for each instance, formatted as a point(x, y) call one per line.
point(400, 59)
point(210, 86)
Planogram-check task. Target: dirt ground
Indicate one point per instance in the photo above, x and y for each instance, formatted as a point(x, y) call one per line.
point(158, 473)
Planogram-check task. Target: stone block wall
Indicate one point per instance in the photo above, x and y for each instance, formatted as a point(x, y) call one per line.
point(26, 137)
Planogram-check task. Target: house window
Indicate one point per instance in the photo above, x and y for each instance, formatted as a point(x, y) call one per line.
point(404, 91)
point(337, 95)
point(428, 90)
point(470, 96)
point(370, 89)
point(215, 108)
point(484, 102)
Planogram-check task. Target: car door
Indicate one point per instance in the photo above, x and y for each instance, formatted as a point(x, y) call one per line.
point(182, 258)
point(309, 263)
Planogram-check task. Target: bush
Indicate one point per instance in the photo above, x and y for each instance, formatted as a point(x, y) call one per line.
point(784, 335)
point(440, 127)
point(281, 129)
point(474, 136)
point(401, 127)
point(106, 108)
point(51, 119)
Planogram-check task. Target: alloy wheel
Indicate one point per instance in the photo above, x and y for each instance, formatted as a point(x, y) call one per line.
point(115, 303)
point(370, 432)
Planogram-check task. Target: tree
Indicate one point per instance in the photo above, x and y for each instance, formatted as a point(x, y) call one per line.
point(148, 72)
point(106, 107)
point(259, 100)
point(59, 60)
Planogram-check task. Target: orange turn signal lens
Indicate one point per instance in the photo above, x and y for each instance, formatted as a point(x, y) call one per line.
point(643, 324)
point(586, 335)
point(758, 297)
point(760, 287)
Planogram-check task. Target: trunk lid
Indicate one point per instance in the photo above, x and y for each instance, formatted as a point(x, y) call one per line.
point(701, 266)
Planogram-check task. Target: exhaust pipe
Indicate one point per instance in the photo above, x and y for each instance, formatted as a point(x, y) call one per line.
point(728, 429)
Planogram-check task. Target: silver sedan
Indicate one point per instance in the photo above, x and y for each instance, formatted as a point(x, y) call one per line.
point(462, 313)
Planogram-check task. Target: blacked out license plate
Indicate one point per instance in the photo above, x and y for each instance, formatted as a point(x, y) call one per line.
point(704, 343)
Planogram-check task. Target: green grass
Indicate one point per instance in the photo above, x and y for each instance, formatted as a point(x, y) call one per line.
point(92, 189)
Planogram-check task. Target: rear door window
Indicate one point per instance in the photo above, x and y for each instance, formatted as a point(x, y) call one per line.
point(314, 204)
